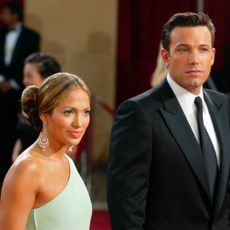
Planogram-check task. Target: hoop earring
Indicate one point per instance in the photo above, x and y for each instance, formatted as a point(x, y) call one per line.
point(43, 140)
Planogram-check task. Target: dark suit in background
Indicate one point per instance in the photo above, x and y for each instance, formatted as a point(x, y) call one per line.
point(157, 178)
point(27, 42)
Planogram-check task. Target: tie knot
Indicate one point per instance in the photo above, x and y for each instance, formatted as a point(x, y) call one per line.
point(198, 103)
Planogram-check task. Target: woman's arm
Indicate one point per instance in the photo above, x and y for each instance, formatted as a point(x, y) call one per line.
point(18, 194)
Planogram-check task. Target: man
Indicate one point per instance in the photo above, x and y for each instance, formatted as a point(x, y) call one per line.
point(16, 43)
point(167, 169)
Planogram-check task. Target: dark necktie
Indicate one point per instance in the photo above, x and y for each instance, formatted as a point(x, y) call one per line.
point(208, 150)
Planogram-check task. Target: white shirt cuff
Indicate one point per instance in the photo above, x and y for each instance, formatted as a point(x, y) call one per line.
point(2, 78)
point(14, 84)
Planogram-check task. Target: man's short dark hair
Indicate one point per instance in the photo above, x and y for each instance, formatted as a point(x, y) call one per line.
point(187, 19)
point(15, 8)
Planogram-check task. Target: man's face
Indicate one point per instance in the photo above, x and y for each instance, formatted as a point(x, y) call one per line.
point(7, 17)
point(190, 56)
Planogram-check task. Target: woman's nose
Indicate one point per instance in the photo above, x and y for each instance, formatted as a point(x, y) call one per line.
point(77, 122)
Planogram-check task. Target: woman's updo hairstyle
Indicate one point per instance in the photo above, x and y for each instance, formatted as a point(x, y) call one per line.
point(36, 101)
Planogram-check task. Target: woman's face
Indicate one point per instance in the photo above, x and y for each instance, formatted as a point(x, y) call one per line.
point(69, 119)
point(31, 76)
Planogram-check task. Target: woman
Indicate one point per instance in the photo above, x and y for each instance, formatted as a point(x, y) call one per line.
point(38, 66)
point(43, 189)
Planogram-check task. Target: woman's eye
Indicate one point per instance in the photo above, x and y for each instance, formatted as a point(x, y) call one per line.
point(68, 112)
point(87, 112)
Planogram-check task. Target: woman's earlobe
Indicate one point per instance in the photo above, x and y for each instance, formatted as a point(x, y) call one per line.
point(43, 118)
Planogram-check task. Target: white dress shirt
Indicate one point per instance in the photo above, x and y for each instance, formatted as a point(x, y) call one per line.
point(11, 39)
point(186, 101)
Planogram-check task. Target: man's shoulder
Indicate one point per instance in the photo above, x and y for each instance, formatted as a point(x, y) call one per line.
point(143, 96)
point(217, 98)
point(30, 32)
point(216, 95)
point(148, 100)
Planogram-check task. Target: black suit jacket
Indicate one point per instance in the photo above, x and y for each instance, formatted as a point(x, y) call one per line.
point(28, 42)
point(156, 174)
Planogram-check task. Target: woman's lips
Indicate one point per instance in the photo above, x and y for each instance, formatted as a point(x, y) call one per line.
point(75, 134)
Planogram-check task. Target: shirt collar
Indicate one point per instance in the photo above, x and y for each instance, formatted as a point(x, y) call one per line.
point(185, 98)
point(17, 27)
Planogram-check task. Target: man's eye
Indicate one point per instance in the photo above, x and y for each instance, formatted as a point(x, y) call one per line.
point(182, 50)
point(203, 49)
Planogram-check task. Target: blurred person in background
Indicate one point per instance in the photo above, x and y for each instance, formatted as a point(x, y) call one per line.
point(38, 66)
point(16, 43)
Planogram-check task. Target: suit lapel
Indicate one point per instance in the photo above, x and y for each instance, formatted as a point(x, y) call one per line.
point(220, 122)
point(183, 134)
point(2, 48)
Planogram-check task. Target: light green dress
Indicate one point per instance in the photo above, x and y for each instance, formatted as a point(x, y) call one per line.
point(69, 210)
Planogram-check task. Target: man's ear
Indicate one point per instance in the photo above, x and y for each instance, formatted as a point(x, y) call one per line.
point(165, 57)
point(213, 55)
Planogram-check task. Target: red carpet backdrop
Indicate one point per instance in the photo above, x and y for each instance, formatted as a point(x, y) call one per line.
point(100, 220)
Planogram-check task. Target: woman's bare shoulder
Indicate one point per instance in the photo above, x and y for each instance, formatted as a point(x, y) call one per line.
point(24, 168)
point(20, 189)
